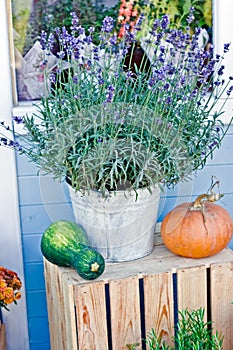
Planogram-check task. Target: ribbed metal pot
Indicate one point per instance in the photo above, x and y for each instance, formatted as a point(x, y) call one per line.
point(121, 226)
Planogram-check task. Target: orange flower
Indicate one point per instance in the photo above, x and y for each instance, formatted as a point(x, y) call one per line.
point(10, 283)
point(17, 296)
point(9, 296)
point(127, 14)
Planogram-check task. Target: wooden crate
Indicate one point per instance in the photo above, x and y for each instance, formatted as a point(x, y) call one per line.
point(2, 336)
point(131, 298)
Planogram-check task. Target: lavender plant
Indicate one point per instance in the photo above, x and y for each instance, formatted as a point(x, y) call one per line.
point(108, 122)
point(192, 333)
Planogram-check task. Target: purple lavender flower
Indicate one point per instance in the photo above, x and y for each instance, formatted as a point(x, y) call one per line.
point(75, 79)
point(229, 91)
point(190, 17)
point(226, 47)
point(18, 119)
point(165, 22)
point(91, 29)
point(3, 141)
point(74, 22)
point(50, 42)
point(43, 41)
point(15, 144)
point(221, 70)
point(113, 40)
point(101, 81)
point(217, 57)
point(52, 78)
point(168, 100)
point(129, 75)
point(166, 86)
point(217, 83)
point(217, 129)
point(110, 94)
point(108, 24)
point(81, 30)
point(61, 54)
point(88, 39)
point(156, 25)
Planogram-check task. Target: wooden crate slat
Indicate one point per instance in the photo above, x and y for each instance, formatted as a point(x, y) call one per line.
point(70, 331)
point(158, 301)
point(159, 261)
point(53, 305)
point(91, 316)
point(125, 313)
point(192, 288)
point(221, 299)
point(60, 303)
point(2, 336)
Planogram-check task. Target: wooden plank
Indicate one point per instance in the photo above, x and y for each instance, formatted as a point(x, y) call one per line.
point(125, 313)
point(60, 314)
point(91, 317)
point(192, 288)
point(221, 301)
point(53, 305)
point(2, 336)
point(158, 301)
point(159, 261)
point(67, 298)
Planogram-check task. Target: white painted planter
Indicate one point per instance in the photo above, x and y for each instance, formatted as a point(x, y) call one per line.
point(120, 227)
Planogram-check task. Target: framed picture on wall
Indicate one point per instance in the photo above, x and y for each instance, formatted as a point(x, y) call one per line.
point(27, 18)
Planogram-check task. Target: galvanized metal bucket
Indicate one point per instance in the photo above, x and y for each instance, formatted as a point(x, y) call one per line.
point(121, 226)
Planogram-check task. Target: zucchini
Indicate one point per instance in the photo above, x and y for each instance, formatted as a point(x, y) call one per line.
point(64, 243)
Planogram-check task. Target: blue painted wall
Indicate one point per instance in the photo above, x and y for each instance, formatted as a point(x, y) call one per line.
point(43, 201)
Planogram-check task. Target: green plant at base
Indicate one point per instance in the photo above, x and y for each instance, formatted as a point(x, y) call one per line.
point(192, 333)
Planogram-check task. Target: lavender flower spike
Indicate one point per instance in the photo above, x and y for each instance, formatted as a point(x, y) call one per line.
point(107, 25)
point(18, 119)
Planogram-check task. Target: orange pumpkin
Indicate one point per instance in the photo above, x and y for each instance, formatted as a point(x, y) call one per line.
point(197, 230)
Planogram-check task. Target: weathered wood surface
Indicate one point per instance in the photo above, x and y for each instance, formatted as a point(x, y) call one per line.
point(158, 299)
point(221, 301)
point(2, 336)
point(159, 261)
point(125, 313)
point(192, 288)
point(91, 316)
point(134, 297)
point(60, 304)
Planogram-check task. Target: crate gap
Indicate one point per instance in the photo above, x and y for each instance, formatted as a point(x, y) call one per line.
point(142, 313)
point(108, 315)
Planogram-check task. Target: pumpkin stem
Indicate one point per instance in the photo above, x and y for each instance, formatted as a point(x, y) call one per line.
point(95, 267)
point(212, 197)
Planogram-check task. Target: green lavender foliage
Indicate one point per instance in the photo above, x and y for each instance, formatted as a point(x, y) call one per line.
point(106, 123)
point(192, 333)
